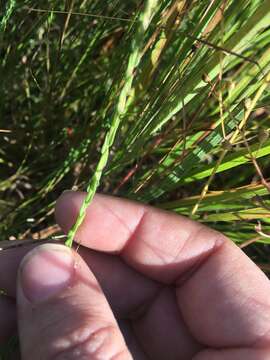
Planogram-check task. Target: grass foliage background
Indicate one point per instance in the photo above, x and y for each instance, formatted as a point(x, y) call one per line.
point(192, 134)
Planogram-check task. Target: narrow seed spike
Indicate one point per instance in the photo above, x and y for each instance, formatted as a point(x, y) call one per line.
point(134, 60)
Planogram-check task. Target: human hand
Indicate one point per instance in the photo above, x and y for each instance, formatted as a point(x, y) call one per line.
point(145, 282)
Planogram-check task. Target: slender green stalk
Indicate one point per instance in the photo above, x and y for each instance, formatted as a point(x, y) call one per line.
point(134, 60)
point(9, 10)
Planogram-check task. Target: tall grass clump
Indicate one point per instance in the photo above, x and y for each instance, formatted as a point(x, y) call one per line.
point(165, 102)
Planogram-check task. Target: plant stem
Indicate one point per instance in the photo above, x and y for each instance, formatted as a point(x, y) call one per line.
point(134, 60)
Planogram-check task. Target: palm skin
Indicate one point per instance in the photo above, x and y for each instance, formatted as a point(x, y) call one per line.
point(178, 290)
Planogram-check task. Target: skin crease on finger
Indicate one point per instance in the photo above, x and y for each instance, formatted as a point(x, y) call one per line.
point(222, 303)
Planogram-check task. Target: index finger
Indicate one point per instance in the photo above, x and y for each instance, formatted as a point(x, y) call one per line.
point(158, 243)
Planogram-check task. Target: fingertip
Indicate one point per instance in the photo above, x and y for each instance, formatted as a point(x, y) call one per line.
point(67, 207)
point(62, 303)
point(46, 271)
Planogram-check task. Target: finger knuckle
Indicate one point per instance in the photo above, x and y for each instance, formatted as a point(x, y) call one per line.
point(99, 344)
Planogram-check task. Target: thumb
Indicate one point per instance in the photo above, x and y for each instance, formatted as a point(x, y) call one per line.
point(62, 311)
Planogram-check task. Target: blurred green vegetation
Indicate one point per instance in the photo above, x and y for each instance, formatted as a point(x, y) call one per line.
point(193, 135)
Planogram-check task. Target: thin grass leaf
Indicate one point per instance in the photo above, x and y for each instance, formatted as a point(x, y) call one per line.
point(8, 12)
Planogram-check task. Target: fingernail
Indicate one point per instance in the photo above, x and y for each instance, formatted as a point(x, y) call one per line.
point(66, 191)
point(46, 271)
point(71, 191)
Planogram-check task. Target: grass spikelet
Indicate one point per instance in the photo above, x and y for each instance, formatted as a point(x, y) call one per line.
point(133, 61)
